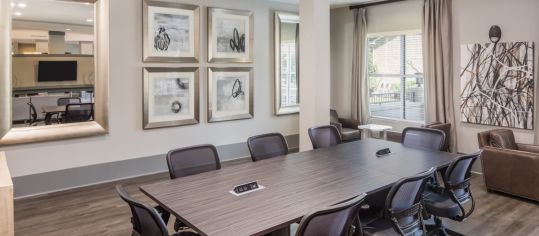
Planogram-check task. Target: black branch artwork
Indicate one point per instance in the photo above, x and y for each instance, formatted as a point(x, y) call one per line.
point(161, 39)
point(237, 43)
point(497, 84)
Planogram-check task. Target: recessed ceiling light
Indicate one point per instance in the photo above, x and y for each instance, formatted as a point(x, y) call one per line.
point(17, 13)
point(12, 4)
point(21, 5)
point(89, 20)
point(68, 29)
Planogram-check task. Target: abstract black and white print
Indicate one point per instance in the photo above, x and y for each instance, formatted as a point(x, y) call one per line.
point(171, 33)
point(497, 84)
point(231, 95)
point(171, 96)
point(230, 35)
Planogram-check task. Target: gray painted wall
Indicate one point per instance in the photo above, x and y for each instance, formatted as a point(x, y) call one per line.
point(127, 140)
point(37, 184)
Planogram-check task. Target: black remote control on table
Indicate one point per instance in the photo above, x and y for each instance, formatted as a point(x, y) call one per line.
point(383, 152)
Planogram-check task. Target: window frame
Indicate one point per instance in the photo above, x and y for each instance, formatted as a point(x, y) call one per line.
point(402, 75)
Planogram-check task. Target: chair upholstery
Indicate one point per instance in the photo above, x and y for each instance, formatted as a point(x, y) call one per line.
point(68, 100)
point(347, 127)
point(337, 220)
point(403, 208)
point(324, 136)
point(449, 200)
point(192, 160)
point(423, 138)
point(79, 112)
point(267, 146)
point(508, 170)
point(394, 136)
point(146, 221)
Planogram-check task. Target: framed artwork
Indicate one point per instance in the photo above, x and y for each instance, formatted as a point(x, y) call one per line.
point(230, 94)
point(497, 84)
point(170, 32)
point(170, 97)
point(230, 35)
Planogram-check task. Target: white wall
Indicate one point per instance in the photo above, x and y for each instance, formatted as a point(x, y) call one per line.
point(127, 140)
point(472, 20)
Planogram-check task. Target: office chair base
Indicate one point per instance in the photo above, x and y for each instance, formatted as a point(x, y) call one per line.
point(439, 229)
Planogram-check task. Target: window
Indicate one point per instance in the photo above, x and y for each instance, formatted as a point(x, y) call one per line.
point(289, 84)
point(395, 76)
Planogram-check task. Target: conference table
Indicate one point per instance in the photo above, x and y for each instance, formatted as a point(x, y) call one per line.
point(294, 186)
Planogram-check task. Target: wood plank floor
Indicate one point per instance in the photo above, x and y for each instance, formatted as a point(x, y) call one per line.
point(97, 210)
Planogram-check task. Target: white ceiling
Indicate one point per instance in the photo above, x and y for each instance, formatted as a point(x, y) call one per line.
point(41, 16)
point(334, 3)
point(54, 11)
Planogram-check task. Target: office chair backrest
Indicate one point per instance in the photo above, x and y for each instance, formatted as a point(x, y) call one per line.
point(457, 182)
point(79, 112)
point(324, 136)
point(267, 146)
point(192, 160)
point(404, 203)
point(423, 138)
point(336, 220)
point(146, 221)
point(67, 100)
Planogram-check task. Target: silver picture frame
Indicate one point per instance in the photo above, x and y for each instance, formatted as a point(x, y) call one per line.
point(10, 135)
point(215, 113)
point(167, 9)
point(151, 121)
point(279, 18)
point(246, 42)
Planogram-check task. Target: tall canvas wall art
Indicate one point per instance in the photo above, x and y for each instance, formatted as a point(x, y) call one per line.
point(497, 84)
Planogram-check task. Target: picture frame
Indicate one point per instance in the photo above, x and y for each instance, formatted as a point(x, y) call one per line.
point(230, 36)
point(171, 32)
point(230, 93)
point(171, 97)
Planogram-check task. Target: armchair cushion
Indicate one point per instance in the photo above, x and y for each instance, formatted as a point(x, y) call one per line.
point(349, 123)
point(350, 134)
point(503, 139)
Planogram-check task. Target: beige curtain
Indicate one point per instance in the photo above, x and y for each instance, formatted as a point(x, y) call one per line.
point(360, 92)
point(438, 64)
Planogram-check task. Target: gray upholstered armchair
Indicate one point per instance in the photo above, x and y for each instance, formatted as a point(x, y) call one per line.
point(347, 127)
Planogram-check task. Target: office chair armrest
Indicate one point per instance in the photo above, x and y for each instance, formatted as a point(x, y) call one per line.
point(528, 148)
point(349, 123)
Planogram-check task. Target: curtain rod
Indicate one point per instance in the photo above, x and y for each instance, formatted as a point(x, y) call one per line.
point(374, 3)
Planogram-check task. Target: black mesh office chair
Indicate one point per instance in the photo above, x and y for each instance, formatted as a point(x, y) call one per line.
point(190, 161)
point(145, 220)
point(267, 146)
point(448, 201)
point(338, 220)
point(403, 211)
point(32, 121)
point(68, 100)
point(423, 138)
point(324, 136)
point(78, 112)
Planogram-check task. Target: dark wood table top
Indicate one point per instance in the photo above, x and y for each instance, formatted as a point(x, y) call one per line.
point(295, 185)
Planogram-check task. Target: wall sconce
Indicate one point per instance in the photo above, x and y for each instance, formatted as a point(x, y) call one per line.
point(495, 34)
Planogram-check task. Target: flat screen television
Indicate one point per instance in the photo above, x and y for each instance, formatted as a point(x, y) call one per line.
point(57, 71)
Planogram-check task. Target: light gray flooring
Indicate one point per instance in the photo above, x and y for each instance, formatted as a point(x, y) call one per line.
point(97, 210)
